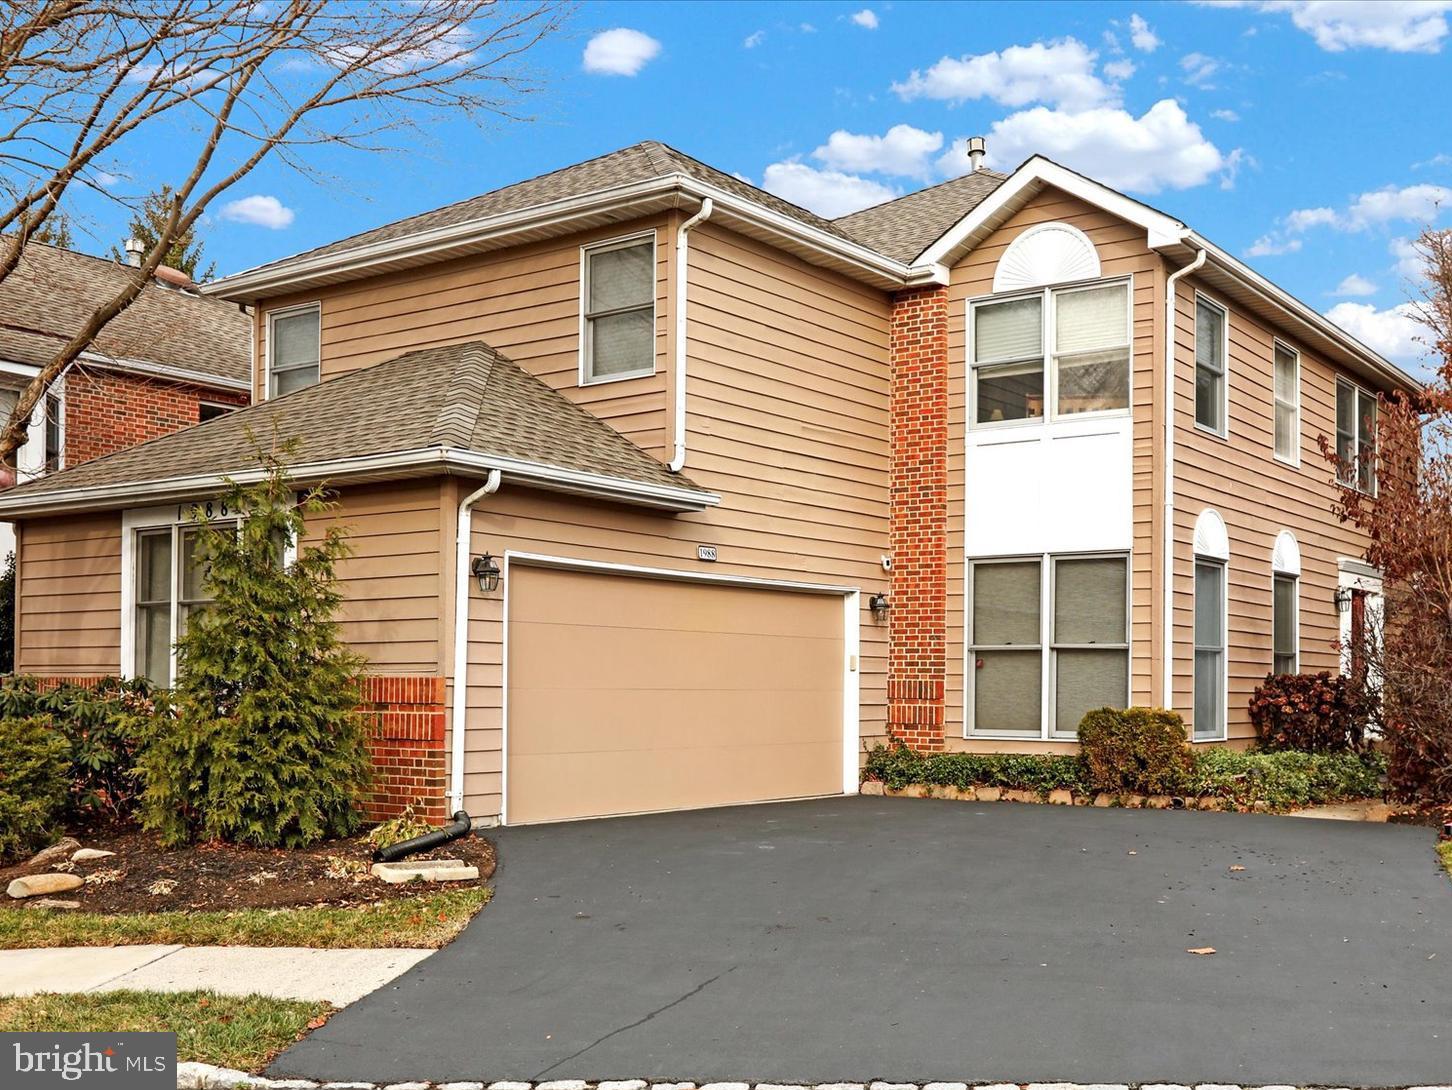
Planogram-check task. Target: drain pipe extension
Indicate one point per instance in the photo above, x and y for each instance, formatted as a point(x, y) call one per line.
point(462, 825)
point(678, 425)
point(1167, 575)
point(461, 636)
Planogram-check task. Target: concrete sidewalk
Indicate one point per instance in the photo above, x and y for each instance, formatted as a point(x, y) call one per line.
point(286, 972)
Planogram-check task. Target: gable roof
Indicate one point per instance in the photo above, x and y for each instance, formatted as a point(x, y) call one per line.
point(167, 332)
point(905, 227)
point(458, 408)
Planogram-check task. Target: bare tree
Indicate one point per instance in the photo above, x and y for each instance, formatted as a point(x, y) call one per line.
point(238, 81)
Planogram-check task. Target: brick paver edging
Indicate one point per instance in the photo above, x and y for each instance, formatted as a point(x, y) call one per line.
point(195, 1076)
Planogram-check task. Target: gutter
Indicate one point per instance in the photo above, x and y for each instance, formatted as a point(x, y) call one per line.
point(1167, 604)
point(683, 254)
point(459, 708)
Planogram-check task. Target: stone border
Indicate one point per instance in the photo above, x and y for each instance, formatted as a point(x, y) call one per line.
point(196, 1076)
point(1059, 796)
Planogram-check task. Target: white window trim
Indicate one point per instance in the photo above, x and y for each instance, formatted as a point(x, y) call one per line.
point(1048, 691)
point(288, 312)
point(1295, 404)
point(1224, 431)
point(1223, 732)
point(584, 376)
point(1047, 343)
point(56, 393)
point(1295, 578)
point(1361, 392)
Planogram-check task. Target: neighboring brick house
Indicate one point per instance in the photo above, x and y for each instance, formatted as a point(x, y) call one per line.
point(666, 493)
point(172, 359)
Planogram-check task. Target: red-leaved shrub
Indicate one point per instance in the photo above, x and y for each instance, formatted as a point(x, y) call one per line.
point(1315, 713)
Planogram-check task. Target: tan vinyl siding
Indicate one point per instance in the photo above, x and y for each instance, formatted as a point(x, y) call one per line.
point(1122, 252)
point(524, 302)
point(68, 595)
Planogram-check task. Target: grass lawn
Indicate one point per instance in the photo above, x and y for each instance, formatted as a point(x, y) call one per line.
point(430, 920)
point(241, 1032)
point(1444, 851)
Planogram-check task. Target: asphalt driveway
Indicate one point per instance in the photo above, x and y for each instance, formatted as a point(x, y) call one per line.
point(861, 938)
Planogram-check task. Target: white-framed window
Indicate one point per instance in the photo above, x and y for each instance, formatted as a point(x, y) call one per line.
point(1286, 395)
point(1061, 352)
point(617, 309)
point(294, 348)
point(1356, 436)
point(54, 432)
point(1211, 349)
point(1285, 627)
point(1210, 680)
point(1048, 641)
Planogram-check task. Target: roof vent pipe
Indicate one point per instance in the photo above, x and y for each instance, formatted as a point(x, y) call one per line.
point(134, 248)
point(977, 148)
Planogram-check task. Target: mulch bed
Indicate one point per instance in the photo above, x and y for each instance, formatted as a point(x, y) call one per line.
point(145, 877)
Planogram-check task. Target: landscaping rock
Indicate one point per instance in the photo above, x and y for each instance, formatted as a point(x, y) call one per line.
point(1103, 799)
point(409, 1086)
point(1158, 802)
point(563, 1084)
point(509, 1086)
point(1209, 802)
point(622, 1084)
point(61, 849)
point(85, 855)
point(427, 870)
point(34, 885)
point(871, 787)
point(1014, 794)
point(1061, 796)
point(989, 794)
point(912, 791)
point(1132, 802)
point(461, 1086)
point(672, 1086)
point(53, 903)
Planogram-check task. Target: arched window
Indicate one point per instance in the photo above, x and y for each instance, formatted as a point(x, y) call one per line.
point(1050, 253)
point(1212, 552)
point(1285, 604)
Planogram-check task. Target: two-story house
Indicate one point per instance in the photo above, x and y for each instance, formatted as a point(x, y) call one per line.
point(666, 493)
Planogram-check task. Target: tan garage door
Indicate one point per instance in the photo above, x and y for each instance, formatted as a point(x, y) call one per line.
point(629, 695)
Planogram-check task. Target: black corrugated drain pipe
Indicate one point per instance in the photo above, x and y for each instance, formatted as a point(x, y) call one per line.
point(460, 826)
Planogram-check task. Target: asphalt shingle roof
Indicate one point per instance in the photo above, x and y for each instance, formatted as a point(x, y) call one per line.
point(52, 292)
point(904, 228)
point(464, 396)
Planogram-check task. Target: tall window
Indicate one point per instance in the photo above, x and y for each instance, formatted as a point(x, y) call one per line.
point(1082, 333)
point(170, 588)
point(1024, 686)
point(294, 349)
point(1209, 366)
point(1287, 394)
point(1285, 639)
point(619, 310)
point(54, 433)
point(1210, 719)
point(1356, 436)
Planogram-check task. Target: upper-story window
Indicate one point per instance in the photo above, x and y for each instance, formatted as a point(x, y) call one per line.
point(294, 349)
point(1064, 349)
point(1287, 395)
point(1210, 346)
point(1356, 436)
point(54, 432)
point(618, 310)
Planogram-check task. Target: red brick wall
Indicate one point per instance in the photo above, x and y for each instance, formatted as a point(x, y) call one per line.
point(107, 411)
point(918, 633)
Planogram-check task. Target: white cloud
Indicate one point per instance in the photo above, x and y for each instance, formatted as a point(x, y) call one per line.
point(1395, 332)
point(1225, 115)
point(1355, 285)
point(259, 210)
point(1200, 70)
point(105, 179)
point(1120, 70)
point(754, 39)
point(1441, 159)
point(1413, 203)
point(1399, 26)
point(1272, 246)
point(1410, 263)
point(1303, 219)
point(865, 18)
point(1163, 149)
point(1141, 35)
point(902, 150)
point(828, 193)
point(619, 52)
point(1060, 73)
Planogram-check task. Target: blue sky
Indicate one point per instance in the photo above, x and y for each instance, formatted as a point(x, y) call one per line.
point(1308, 138)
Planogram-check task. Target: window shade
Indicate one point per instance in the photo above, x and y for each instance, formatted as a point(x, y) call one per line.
point(1008, 331)
point(295, 340)
point(1209, 341)
point(1085, 680)
point(1285, 375)
point(622, 343)
point(1005, 604)
point(1089, 600)
point(1209, 579)
point(1283, 625)
point(1208, 710)
point(621, 278)
point(154, 567)
point(1007, 692)
point(1085, 320)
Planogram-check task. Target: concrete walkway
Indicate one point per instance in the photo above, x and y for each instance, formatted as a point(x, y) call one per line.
point(286, 972)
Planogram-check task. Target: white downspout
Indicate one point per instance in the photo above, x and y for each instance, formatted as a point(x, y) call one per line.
point(460, 708)
point(678, 460)
point(1167, 694)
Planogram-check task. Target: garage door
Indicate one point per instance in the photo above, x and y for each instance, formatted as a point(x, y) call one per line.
point(629, 695)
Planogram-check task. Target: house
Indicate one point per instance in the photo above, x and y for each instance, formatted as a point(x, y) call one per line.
point(666, 493)
point(173, 358)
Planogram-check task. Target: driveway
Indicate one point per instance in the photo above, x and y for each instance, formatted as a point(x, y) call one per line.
point(861, 938)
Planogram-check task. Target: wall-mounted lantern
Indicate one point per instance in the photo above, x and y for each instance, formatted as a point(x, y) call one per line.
point(486, 570)
point(879, 605)
point(1342, 598)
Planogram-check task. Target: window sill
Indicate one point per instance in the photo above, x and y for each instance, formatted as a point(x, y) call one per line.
point(1293, 463)
point(1223, 436)
point(605, 380)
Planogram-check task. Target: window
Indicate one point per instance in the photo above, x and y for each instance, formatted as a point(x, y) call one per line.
point(1209, 366)
point(170, 588)
point(1285, 650)
point(294, 348)
point(619, 310)
point(54, 433)
point(210, 410)
point(1287, 396)
point(1082, 332)
point(1022, 686)
point(1356, 436)
point(1210, 719)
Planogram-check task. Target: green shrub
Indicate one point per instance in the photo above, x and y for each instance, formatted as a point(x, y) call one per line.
point(1313, 713)
point(897, 766)
point(33, 783)
point(266, 746)
point(1286, 779)
point(1137, 750)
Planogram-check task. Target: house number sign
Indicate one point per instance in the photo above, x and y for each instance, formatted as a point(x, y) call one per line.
point(209, 509)
point(706, 552)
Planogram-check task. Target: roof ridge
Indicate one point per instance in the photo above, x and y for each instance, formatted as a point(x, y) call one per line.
point(468, 382)
point(996, 175)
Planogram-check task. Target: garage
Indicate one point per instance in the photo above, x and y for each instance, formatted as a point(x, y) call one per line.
point(631, 694)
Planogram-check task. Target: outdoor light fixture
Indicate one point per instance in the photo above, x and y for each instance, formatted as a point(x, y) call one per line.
point(486, 570)
point(1342, 598)
point(879, 605)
